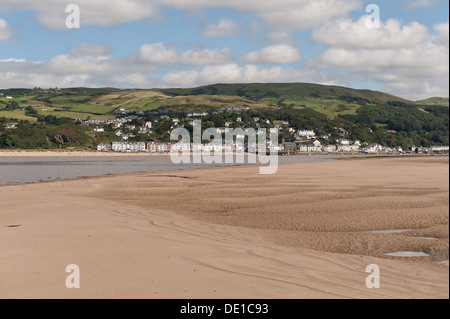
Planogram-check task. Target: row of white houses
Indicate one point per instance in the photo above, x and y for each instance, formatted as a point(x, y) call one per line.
point(316, 146)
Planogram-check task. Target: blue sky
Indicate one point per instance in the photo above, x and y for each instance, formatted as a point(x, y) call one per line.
point(181, 43)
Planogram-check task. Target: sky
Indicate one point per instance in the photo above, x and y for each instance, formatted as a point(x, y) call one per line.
point(188, 43)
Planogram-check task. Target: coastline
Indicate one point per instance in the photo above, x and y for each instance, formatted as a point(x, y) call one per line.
point(65, 153)
point(132, 241)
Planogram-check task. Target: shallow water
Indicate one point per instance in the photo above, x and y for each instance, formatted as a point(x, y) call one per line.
point(20, 170)
point(408, 254)
point(390, 231)
point(445, 263)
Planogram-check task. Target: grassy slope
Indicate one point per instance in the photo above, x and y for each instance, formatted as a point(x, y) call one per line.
point(435, 101)
point(288, 90)
point(101, 103)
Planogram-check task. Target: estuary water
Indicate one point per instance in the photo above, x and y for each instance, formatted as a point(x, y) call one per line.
point(22, 170)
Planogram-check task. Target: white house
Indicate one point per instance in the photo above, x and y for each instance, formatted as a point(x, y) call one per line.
point(343, 142)
point(103, 147)
point(306, 133)
point(439, 148)
point(128, 146)
point(11, 126)
point(329, 148)
point(373, 149)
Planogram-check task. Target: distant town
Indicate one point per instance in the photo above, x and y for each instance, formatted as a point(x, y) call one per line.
point(309, 118)
point(305, 141)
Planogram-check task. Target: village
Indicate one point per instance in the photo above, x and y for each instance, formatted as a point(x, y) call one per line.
point(304, 141)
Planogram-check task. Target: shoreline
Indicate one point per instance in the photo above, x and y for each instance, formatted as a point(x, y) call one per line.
point(54, 153)
point(164, 246)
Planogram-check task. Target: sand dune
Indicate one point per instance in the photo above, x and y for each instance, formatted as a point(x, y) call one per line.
point(231, 233)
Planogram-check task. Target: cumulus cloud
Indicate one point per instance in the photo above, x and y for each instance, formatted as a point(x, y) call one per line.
point(5, 31)
point(281, 14)
point(69, 70)
point(223, 27)
point(309, 14)
point(281, 37)
point(443, 33)
point(406, 66)
point(52, 13)
point(350, 34)
point(274, 54)
point(235, 73)
point(90, 49)
point(159, 53)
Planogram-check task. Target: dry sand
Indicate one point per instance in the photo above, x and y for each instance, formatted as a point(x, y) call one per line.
point(231, 233)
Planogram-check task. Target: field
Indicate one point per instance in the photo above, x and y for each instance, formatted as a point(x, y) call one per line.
point(435, 101)
point(17, 115)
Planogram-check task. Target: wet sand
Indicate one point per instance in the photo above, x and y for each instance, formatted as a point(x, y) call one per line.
point(232, 233)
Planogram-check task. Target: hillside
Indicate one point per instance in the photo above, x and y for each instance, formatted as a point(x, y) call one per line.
point(286, 90)
point(82, 103)
point(442, 101)
point(370, 116)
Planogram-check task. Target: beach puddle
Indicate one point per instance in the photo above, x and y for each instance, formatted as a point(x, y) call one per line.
point(408, 254)
point(427, 238)
point(445, 262)
point(389, 231)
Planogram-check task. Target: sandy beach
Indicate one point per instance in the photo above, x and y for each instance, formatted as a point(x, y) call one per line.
point(306, 232)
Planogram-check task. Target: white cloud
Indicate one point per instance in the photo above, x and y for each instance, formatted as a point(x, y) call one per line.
point(223, 27)
point(350, 34)
point(406, 66)
point(235, 73)
point(281, 37)
point(443, 33)
point(309, 14)
point(280, 14)
point(90, 49)
point(5, 31)
point(158, 53)
point(12, 60)
point(275, 54)
point(80, 64)
point(52, 14)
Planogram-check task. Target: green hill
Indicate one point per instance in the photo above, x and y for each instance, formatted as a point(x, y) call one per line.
point(286, 90)
point(443, 101)
point(369, 116)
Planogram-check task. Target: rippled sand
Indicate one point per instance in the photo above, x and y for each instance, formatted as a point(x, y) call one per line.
point(232, 233)
point(320, 206)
